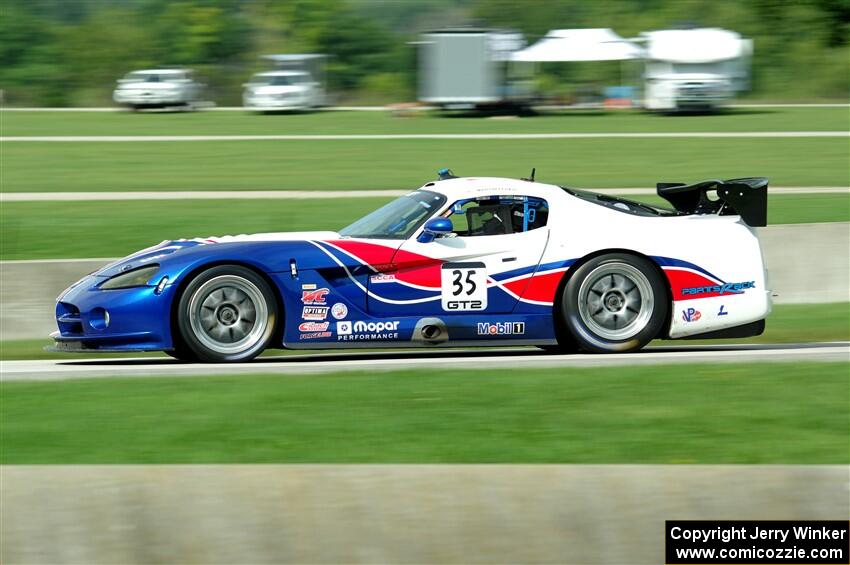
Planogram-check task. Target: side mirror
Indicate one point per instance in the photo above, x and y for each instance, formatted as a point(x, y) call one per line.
point(434, 228)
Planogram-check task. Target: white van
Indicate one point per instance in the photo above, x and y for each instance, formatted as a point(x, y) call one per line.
point(694, 68)
point(281, 90)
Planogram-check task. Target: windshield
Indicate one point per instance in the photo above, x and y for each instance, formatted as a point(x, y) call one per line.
point(146, 77)
point(277, 80)
point(398, 219)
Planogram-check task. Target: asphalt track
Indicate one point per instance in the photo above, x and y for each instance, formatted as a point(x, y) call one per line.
point(516, 358)
point(411, 136)
point(313, 194)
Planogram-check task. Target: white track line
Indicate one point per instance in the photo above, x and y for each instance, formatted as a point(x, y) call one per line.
point(481, 360)
point(417, 136)
point(312, 194)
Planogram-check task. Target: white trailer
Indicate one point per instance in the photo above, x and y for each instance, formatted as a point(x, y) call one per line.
point(470, 68)
point(694, 68)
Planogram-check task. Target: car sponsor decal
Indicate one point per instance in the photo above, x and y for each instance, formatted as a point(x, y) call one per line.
point(720, 289)
point(501, 328)
point(382, 278)
point(339, 311)
point(691, 314)
point(313, 326)
point(464, 287)
point(315, 335)
point(308, 287)
point(314, 312)
point(722, 312)
point(689, 281)
point(366, 331)
point(316, 296)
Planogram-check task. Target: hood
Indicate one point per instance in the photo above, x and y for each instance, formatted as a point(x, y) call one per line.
point(266, 90)
point(693, 77)
point(172, 249)
point(143, 85)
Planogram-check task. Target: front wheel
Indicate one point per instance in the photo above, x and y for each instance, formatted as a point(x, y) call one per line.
point(614, 303)
point(227, 313)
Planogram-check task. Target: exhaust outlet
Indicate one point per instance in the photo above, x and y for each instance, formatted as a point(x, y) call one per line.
point(431, 332)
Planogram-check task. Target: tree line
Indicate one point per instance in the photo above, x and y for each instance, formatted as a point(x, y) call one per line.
point(70, 52)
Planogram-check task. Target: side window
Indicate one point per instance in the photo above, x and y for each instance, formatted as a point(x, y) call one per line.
point(498, 215)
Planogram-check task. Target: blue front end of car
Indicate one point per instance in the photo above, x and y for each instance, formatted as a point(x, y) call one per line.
point(123, 319)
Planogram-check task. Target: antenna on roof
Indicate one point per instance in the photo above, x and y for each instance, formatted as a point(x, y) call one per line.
point(531, 178)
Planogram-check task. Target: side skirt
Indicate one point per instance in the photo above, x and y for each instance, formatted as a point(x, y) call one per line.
point(419, 344)
point(747, 330)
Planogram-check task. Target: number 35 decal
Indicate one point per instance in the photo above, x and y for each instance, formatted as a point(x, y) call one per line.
point(464, 287)
point(458, 286)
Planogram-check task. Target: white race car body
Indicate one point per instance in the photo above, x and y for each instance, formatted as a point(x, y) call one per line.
point(694, 252)
point(461, 261)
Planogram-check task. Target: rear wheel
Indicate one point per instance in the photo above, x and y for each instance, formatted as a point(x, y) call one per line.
point(226, 313)
point(614, 303)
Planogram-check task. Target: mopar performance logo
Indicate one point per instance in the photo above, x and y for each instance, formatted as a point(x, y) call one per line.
point(366, 331)
point(501, 328)
point(725, 288)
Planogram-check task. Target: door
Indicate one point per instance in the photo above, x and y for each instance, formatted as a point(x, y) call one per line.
point(495, 240)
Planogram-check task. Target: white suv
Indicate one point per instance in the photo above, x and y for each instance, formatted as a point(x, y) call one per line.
point(158, 88)
point(281, 90)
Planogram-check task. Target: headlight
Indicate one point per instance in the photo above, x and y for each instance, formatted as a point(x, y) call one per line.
point(136, 277)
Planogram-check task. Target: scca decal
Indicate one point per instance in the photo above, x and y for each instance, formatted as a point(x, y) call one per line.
point(314, 296)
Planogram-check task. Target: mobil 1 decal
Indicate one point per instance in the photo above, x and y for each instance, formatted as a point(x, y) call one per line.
point(464, 287)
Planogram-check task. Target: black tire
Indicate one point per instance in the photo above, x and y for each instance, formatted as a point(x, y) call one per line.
point(559, 349)
point(227, 313)
point(181, 354)
point(614, 303)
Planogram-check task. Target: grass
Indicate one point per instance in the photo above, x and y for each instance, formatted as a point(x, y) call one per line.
point(227, 123)
point(28, 230)
point(375, 164)
point(117, 228)
point(788, 323)
point(794, 413)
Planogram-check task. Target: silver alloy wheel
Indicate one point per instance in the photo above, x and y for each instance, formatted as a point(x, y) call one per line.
point(228, 314)
point(616, 301)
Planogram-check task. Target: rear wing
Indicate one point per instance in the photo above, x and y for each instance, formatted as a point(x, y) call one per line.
point(744, 197)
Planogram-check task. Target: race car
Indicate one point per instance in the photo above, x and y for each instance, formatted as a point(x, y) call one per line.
point(458, 262)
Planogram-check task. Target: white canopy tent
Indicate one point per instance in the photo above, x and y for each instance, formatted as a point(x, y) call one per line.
point(564, 45)
point(580, 45)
